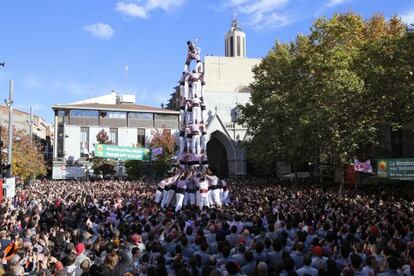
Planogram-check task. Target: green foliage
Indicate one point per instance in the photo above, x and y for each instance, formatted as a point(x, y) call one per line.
point(160, 167)
point(103, 167)
point(135, 169)
point(329, 94)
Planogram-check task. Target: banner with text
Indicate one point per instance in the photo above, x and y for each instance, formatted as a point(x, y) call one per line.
point(396, 168)
point(121, 153)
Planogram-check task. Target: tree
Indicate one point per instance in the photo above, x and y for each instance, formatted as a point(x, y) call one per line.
point(164, 140)
point(102, 166)
point(328, 95)
point(135, 168)
point(28, 160)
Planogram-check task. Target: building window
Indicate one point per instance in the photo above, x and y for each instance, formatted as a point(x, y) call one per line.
point(141, 138)
point(231, 46)
point(141, 115)
point(60, 141)
point(113, 115)
point(84, 113)
point(84, 142)
point(113, 136)
point(60, 116)
point(238, 45)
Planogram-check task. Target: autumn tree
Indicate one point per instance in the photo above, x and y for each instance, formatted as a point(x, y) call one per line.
point(103, 166)
point(28, 160)
point(328, 95)
point(165, 140)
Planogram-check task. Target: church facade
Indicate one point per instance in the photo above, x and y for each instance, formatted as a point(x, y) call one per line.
point(227, 86)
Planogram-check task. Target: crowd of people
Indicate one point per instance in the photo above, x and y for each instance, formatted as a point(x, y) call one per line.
point(267, 228)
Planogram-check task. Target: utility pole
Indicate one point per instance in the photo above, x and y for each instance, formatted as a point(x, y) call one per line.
point(2, 64)
point(30, 123)
point(9, 104)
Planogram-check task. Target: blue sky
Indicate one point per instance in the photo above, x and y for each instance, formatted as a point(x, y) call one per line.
point(68, 50)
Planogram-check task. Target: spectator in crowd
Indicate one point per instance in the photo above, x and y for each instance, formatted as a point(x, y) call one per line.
point(267, 228)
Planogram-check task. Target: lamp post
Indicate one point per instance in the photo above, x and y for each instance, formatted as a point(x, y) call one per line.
point(9, 104)
point(2, 64)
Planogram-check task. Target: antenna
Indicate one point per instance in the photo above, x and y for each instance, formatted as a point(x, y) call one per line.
point(126, 78)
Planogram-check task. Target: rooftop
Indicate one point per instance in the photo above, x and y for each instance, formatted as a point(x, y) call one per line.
point(114, 107)
point(113, 102)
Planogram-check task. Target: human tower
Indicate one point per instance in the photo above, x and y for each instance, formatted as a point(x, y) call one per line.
point(193, 184)
point(193, 131)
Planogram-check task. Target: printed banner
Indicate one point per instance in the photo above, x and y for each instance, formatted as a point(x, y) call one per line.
point(121, 153)
point(396, 168)
point(363, 166)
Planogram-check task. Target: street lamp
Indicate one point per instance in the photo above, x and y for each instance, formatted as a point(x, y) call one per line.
point(2, 64)
point(9, 104)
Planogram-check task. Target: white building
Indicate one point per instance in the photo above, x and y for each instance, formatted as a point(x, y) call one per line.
point(227, 85)
point(126, 123)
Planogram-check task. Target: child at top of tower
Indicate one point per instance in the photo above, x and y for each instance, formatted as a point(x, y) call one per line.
point(193, 53)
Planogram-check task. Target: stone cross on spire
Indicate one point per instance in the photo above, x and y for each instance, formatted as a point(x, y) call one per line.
point(235, 23)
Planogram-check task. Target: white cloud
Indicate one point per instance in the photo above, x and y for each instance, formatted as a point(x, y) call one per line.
point(408, 17)
point(131, 10)
point(263, 14)
point(32, 82)
point(142, 11)
point(100, 30)
point(333, 3)
point(165, 5)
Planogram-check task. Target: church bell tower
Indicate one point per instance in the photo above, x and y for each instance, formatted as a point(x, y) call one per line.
point(235, 42)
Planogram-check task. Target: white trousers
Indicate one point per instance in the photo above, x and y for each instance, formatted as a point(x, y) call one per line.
point(186, 69)
point(203, 201)
point(203, 142)
point(182, 144)
point(199, 66)
point(195, 144)
point(158, 196)
point(185, 201)
point(170, 198)
point(210, 197)
point(189, 143)
point(196, 114)
point(191, 199)
point(197, 197)
point(183, 115)
point(216, 197)
point(225, 197)
point(189, 116)
point(164, 198)
point(202, 92)
point(179, 198)
point(203, 115)
point(196, 89)
point(191, 92)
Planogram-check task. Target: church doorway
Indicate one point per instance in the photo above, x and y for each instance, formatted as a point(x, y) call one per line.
point(217, 157)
